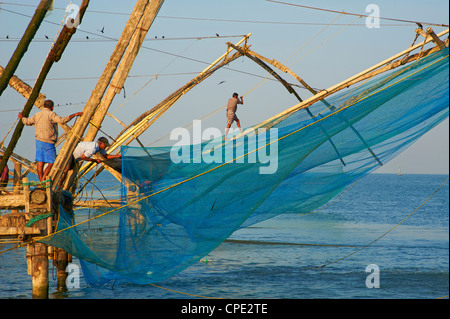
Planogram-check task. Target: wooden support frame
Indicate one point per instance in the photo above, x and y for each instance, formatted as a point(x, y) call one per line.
point(372, 71)
point(57, 172)
point(145, 120)
point(54, 56)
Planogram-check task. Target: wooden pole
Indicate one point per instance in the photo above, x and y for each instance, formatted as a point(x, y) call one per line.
point(141, 123)
point(37, 255)
point(24, 43)
point(25, 90)
point(145, 120)
point(124, 68)
point(350, 81)
point(54, 56)
point(17, 180)
point(77, 131)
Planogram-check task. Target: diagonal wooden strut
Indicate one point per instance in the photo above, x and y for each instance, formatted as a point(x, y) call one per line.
point(259, 59)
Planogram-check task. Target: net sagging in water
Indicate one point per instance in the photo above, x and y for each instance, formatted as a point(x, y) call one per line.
point(176, 213)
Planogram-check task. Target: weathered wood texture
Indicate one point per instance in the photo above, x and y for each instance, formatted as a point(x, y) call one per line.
point(54, 56)
point(94, 101)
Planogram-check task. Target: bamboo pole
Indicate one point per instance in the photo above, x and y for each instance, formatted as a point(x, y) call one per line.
point(143, 122)
point(140, 123)
point(24, 43)
point(25, 90)
point(123, 71)
point(54, 55)
point(352, 80)
point(38, 269)
point(77, 131)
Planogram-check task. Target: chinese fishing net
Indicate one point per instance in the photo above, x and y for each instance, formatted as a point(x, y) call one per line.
point(174, 213)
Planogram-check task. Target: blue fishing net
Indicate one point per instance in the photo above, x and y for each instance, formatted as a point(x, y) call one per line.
point(179, 203)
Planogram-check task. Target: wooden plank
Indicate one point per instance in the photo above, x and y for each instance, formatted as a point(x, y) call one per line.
point(18, 231)
point(30, 166)
point(9, 202)
point(435, 38)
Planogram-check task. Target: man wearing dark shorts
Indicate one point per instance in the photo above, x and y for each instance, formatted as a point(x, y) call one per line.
point(231, 112)
point(46, 132)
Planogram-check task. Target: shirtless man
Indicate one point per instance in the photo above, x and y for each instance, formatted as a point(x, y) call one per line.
point(231, 112)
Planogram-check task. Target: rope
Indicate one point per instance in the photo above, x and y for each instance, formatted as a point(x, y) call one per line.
point(264, 80)
point(320, 44)
point(323, 266)
point(35, 219)
point(373, 242)
point(224, 20)
point(155, 77)
point(245, 155)
point(183, 293)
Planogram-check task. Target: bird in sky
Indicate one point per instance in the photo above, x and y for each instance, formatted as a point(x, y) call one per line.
point(102, 30)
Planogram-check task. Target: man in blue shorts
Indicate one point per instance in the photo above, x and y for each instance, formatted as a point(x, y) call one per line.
point(46, 132)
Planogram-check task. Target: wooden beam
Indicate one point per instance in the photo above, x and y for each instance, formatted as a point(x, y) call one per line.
point(435, 38)
point(145, 120)
point(124, 68)
point(77, 131)
point(244, 51)
point(115, 203)
point(283, 68)
point(24, 43)
point(53, 56)
point(19, 159)
point(344, 84)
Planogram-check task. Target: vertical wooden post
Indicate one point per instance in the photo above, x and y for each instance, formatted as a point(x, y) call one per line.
point(26, 194)
point(61, 260)
point(37, 255)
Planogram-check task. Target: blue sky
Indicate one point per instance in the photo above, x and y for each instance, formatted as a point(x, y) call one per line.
point(281, 32)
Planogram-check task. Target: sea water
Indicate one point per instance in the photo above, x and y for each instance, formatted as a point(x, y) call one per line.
point(355, 247)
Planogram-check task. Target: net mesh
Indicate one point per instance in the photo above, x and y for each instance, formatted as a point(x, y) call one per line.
point(174, 213)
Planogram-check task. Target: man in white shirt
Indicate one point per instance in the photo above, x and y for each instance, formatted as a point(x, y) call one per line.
point(85, 152)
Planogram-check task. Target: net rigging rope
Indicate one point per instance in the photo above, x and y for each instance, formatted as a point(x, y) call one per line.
point(266, 78)
point(357, 14)
point(245, 155)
